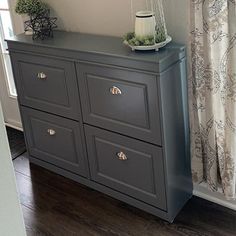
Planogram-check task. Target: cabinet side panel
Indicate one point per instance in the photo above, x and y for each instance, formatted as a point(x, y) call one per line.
point(173, 99)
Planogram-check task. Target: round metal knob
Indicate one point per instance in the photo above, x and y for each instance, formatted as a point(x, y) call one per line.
point(51, 132)
point(121, 156)
point(115, 90)
point(41, 75)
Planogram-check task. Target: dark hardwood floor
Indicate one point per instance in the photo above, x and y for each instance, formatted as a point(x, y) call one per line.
point(54, 205)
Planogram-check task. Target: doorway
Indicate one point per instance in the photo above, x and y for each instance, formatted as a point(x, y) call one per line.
point(10, 23)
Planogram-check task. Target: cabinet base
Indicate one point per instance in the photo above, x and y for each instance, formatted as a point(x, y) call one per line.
point(101, 188)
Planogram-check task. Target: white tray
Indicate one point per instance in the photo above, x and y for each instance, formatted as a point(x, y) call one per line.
point(150, 47)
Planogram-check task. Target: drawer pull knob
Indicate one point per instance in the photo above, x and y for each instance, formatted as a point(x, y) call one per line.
point(121, 156)
point(115, 91)
point(41, 75)
point(51, 132)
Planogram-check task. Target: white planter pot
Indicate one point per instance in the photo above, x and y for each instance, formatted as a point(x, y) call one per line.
point(145, 24)
point(28, 31)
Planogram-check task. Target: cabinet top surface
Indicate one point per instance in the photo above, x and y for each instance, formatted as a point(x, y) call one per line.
point(98, 44)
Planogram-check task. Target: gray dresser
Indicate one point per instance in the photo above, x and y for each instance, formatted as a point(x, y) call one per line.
point(107, 117)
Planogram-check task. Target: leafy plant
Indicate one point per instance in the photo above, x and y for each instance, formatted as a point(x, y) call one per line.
point(139, 41)
point(160, 35)
point(31, 7)
point(134, 40)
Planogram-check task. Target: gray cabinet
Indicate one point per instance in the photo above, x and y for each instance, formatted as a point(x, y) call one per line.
point(107, 117)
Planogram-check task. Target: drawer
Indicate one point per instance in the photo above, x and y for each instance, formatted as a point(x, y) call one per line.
point(55, 140)
point(126, 165)
point(122, 101)
point(47, 84)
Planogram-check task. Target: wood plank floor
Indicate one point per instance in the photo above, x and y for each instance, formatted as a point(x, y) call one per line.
point(54, 205)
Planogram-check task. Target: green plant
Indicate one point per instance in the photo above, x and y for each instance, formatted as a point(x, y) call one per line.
point(138, 41)
point(31, 7)
point(134, 40)
point(160, 35)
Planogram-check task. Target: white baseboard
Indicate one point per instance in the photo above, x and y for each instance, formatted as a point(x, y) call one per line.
point(14, 125)
point(203, 192)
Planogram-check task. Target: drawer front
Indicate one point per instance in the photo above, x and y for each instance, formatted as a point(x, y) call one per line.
point(47, 84)
point(127, 165)
point(56, 140)
point(121, 101)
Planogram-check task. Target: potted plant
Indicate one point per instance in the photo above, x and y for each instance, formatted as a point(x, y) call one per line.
point(39, 24)
point(32, 9)
point(150, 28)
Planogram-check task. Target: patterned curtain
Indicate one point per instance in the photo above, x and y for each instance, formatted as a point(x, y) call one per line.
point(213, 94)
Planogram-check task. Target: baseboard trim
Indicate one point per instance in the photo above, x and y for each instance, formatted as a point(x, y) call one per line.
point(203, 192)
point(14, 126)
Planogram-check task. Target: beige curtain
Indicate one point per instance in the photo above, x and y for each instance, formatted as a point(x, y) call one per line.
point(213, 94)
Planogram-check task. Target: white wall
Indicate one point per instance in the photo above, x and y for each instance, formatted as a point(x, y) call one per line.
point(9, 103)
point(113, 17)
point(11, 221)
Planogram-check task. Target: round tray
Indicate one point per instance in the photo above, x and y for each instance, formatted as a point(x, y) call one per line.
point(150, 47)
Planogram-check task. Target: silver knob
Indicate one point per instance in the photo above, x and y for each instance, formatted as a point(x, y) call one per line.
point(51, 132)
point(115, 90)
point(121, 156)
point(41, 75)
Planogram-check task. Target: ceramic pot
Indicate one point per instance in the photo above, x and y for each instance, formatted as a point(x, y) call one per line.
point(145, 24)
point(26, 19)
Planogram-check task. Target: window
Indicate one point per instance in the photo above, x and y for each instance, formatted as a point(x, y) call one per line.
point(6, 31)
